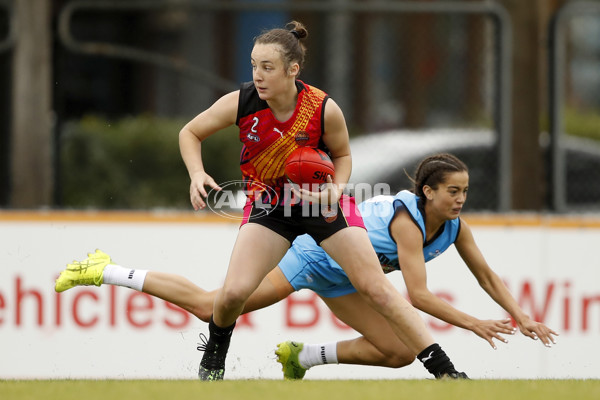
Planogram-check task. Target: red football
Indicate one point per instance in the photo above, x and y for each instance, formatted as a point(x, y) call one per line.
point(307, 165)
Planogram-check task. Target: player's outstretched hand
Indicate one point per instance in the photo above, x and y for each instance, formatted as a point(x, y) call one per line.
point(494, 329)
point(198, 191)
point(329, 194)
point(537, 330)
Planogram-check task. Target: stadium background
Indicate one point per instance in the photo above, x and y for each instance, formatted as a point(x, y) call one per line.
point(95, 93)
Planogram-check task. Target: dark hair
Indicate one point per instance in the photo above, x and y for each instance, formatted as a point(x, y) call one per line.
point(432, 171)
point(290, 40)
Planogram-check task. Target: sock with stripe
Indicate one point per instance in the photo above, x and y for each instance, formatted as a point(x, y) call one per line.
point(127, 277)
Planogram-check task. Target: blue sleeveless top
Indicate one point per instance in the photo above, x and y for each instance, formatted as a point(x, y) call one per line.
point(378, 213)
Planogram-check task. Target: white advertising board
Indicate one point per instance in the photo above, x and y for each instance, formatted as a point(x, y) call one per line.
point(110, 332)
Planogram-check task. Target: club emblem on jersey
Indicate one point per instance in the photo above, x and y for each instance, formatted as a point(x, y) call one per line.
point(301, 138)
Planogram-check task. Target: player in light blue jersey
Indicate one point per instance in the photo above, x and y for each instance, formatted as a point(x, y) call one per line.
point(406, 230)
point(306, 266)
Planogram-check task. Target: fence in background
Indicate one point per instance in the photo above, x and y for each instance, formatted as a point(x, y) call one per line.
point(363, 43)
point(412, 69)
point(567, 177)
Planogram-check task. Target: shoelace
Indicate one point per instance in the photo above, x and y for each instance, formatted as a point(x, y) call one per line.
point(214, 353)
point(78, 267)
point(81, 268)
point(204, 345)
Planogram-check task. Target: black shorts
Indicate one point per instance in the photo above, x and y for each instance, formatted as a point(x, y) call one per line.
point(318, 221)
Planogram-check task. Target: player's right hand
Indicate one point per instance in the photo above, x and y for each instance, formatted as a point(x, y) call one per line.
point(537, 330)
point(198, 192)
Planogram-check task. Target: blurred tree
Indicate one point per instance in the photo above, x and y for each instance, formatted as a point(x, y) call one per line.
point(5, 105)
point(529, 23)
point(423, 65)
point(32, 172)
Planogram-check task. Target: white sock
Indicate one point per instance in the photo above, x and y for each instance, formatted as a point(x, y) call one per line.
point(318, 354)
point(120, 276)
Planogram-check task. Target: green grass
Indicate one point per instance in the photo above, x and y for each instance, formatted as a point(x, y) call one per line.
point(305, 390)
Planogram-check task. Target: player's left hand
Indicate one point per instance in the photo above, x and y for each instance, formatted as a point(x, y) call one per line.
point(329, 193)
point(537, 330)
point(493, 329)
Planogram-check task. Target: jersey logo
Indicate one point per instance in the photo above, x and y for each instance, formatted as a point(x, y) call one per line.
point(434, 254)
point(253, 137)
point(278, 131)
point(429, 357)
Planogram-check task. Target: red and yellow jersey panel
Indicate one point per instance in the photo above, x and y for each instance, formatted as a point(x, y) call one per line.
point(268, 142)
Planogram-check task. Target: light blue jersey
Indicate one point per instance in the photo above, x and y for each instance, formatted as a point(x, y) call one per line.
point(378, 213)
point(307, 266)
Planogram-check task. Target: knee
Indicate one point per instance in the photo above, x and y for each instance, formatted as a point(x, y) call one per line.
point(380, 294)
point(397, 359)
point(233, 296)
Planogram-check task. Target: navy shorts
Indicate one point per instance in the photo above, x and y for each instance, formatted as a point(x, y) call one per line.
point(292, 221)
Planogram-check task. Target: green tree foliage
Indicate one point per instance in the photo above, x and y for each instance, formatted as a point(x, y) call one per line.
point(134, 163)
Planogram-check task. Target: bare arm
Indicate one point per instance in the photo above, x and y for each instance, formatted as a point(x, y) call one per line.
point(412, 262)
point(337, 140)
point(220, 115)
point(493, 285)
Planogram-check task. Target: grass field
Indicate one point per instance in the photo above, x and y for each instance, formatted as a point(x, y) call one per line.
point(305, 390)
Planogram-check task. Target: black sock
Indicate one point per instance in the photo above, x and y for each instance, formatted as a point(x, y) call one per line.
point(215, 349)
point(219, 334)
point(436, 361)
